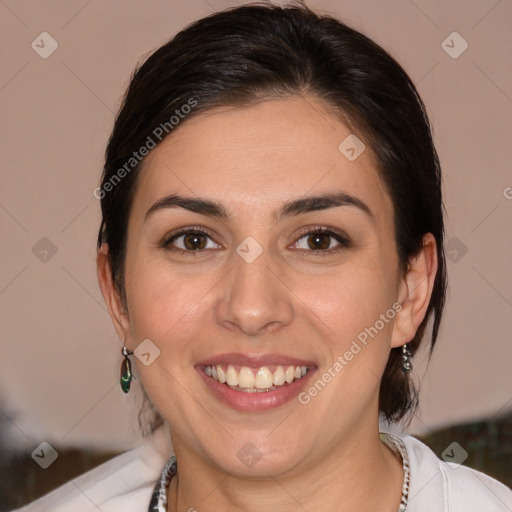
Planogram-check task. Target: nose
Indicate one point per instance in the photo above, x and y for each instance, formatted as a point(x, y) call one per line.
point(253, 299)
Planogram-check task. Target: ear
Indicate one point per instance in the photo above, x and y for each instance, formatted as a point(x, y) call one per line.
point(415, 291)
point(112, 298)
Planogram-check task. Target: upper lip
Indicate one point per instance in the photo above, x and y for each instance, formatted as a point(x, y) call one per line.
point(257, 361)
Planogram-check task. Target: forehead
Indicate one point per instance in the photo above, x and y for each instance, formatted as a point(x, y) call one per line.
point(260, 156)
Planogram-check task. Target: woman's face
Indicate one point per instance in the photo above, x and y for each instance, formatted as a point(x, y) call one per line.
point(248, 287)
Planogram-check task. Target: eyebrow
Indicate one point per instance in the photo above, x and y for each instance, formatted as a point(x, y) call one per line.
point(289, 209)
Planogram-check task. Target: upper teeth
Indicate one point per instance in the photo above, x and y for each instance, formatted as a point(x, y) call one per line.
point(263, 378)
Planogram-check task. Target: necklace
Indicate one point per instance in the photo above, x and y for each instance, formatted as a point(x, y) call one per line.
point(397, 445)
point(158, 501)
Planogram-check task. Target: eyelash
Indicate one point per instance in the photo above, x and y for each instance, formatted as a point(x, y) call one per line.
point(343, 241)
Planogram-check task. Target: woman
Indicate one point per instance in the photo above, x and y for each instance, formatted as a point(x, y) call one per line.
point(271, 252)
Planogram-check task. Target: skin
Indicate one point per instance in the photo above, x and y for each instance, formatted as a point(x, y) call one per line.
point(325, 455)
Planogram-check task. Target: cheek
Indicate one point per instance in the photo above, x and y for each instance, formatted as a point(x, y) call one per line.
point(357, 306)
point(168, 306)
point(349, 299)
point(360, 316)
point(163, 305)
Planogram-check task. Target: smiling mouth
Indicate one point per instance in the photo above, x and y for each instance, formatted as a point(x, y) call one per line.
point(255, 380)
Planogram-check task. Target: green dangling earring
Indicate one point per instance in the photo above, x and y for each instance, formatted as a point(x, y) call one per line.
point(126, 371)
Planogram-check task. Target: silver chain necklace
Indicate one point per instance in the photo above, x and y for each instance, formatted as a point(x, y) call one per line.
point(397, 445)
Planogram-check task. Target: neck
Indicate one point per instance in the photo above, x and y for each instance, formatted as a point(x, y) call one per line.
point(359, 473)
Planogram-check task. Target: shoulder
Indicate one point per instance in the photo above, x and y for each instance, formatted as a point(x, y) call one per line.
point(123, 483)
point(442, 486)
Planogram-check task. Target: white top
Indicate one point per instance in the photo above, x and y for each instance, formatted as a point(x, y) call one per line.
point(127, 482)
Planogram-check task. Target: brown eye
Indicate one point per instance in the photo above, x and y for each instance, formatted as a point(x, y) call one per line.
point(321, 240)
point(190, 240)
point(194, 241)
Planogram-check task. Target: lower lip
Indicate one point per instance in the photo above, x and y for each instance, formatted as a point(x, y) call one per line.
point(259, 401)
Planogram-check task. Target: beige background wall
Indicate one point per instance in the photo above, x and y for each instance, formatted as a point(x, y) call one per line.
point(60, 355)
